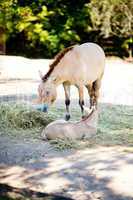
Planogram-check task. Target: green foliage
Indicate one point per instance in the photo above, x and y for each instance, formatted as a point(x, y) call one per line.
point(112, 17)
point(43, 28)
point(7, 12)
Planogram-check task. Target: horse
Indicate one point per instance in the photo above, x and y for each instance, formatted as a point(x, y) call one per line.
point(79, 65)
point(83, 129)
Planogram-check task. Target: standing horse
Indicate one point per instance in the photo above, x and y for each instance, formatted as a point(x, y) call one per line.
point(79, 65)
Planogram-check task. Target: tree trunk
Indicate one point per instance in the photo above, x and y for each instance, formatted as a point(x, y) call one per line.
point(130, 45)
point(2, 41)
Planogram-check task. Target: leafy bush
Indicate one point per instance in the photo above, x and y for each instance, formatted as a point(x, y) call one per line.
point(43, 28)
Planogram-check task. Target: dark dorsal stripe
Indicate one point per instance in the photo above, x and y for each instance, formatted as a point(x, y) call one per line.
point(57, 59)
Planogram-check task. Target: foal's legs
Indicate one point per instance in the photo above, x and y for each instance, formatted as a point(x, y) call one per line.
point(67, 99)
point(81, 99)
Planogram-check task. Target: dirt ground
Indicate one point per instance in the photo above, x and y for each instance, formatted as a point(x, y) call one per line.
point(117, 83)
point(100, 172)
point(91, 173)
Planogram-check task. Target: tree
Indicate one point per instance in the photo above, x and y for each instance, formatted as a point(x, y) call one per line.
point(46, 27)
point(122, 24)
point(42, 28)
point(113, 17)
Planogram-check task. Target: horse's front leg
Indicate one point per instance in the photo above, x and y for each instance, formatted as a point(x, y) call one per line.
point(67, 99)
point(81, 99)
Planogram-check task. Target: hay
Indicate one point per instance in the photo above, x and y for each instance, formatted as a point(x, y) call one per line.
point(115, 125)
point(63, 144)
point(20, 116)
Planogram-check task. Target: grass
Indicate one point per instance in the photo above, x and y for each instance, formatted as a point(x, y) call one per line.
point(115, 125)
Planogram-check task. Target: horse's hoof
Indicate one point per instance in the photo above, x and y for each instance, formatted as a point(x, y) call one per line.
point(67, 117)
point(83, 116)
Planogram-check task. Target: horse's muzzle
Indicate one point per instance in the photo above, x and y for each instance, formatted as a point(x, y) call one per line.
point(45, 108)
point(41, 107)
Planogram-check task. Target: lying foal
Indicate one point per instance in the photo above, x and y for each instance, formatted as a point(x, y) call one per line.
point(86, 128)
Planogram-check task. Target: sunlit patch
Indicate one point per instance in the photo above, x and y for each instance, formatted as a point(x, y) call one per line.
point(122, 182)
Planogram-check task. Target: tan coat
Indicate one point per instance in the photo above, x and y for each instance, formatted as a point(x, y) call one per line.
point(85, 128)
point(81, 66)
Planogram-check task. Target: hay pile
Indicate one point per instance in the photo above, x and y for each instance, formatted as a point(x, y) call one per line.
point(20, 116)
point(115, 123)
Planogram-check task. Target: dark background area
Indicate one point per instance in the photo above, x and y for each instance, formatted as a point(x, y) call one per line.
point(40, 28)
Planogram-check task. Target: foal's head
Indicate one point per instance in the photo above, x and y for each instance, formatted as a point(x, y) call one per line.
point(47, 93)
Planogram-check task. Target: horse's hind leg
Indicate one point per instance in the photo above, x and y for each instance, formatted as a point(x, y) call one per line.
point(81, 99)
point(67, 99)
point(89, 88)
point(93, 91)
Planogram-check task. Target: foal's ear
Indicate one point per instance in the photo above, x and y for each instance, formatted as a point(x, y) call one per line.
point(40, 74)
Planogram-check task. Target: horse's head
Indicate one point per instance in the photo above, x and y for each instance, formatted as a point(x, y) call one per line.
point(47, 93)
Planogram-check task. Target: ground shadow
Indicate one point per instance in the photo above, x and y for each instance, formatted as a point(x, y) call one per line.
point(83, 175)
point(80, 174)
point(11, 193)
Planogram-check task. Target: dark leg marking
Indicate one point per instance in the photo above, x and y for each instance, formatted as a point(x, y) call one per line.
point(81, 103)
point(67, 102)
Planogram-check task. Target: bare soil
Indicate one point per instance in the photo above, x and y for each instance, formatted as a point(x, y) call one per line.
point(90, 173)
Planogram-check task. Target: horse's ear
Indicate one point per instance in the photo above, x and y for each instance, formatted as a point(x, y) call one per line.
point(40, 74)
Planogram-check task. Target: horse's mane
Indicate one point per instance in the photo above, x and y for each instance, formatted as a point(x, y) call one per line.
point(57, 59)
